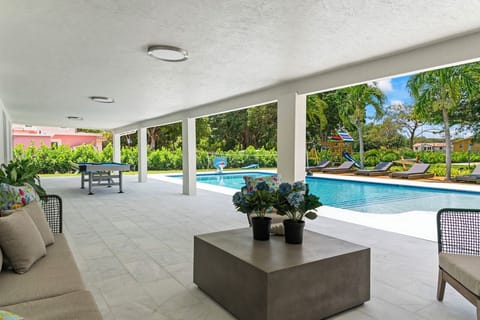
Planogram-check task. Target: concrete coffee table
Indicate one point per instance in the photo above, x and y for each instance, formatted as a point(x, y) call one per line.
point(273, 280)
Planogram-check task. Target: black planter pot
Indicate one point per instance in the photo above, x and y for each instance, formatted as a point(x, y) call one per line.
point(293, 231)
point(261, 228)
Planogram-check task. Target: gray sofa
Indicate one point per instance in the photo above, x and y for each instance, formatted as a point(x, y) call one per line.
point(53, 288)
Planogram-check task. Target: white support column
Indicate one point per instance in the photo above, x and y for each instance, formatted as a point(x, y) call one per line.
point(3, 137)
point(116, 148)
point(189, 148)
point(9, 141)
point(142, 154)
point(291, 131)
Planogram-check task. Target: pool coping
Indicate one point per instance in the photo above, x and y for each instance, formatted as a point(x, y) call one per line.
point(418, 224)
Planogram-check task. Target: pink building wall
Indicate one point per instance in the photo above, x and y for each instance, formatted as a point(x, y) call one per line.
point(28, 140)
point(61, 136)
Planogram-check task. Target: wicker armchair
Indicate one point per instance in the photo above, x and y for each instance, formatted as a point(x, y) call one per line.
point(52, 206)
point(459, 253)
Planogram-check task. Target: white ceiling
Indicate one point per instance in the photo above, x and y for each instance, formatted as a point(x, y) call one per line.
point(54, 54)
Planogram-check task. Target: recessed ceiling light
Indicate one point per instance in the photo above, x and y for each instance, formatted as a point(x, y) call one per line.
point(167, 53)
point(74, 118)
point(102, 99)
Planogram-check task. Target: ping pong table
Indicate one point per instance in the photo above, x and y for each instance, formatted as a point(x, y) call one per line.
point(102, 174)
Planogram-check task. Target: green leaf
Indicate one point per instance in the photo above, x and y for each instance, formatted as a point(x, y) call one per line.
point(311, 215)
point(13, 175)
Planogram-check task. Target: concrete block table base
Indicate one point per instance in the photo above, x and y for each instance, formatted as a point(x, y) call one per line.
point(269, 280)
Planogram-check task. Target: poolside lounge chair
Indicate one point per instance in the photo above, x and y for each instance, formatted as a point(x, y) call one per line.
point(417, 171)
point(321, 165)
point(343, 168)
point(473, 177)
point(459, 253)
point(379, 170)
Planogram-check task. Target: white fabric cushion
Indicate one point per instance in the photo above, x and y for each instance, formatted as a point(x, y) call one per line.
point(35, 212)
point(20, 240)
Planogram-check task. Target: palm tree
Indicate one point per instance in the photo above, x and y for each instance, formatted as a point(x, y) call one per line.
point(316, 118)
point(353, 111)
point(438, 94)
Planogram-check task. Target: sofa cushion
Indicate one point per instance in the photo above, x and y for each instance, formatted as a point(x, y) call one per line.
point(13, 197)
point(465, 269)
point(77, 305)
point(35, 212)
point(55, 274)
point(21, 241)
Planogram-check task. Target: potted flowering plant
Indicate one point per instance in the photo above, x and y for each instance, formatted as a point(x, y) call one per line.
point(258, 201)
point(296, 202)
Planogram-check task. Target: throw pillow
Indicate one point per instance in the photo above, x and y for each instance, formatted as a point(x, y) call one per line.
point(5, 315)
point(20, 240)
point(35, 212)
point(251, 182)
point(13, 197)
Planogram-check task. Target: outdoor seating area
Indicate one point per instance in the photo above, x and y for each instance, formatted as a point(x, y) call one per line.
point(135, 255)
point(41, 285)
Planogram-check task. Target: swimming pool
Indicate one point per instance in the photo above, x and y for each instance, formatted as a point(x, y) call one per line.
point(365, 196)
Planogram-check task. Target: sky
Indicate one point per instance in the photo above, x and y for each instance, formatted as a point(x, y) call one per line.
point(396, 91)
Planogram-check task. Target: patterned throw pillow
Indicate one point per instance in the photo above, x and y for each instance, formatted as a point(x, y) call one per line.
point(251, 182)
point(14, 197)
point(5, 315)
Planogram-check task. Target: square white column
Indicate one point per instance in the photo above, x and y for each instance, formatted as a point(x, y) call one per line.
point(189, 149)
point(142, 154)
point(116, 148)
point(291, 131)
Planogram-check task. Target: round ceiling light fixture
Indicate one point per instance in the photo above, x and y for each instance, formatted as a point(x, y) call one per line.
point(167, 53)
point(101, 99)
point(74, 118)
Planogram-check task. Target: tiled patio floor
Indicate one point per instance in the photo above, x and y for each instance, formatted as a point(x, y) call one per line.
point(135, 251)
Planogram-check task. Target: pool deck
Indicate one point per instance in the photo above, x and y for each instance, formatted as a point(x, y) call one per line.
point(419, 224)
point(135, 253)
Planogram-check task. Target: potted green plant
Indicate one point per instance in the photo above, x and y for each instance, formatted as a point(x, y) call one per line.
point(296, 202)
point(20, 172)
point(258, 201)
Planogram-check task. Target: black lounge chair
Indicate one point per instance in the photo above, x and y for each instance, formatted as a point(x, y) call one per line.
point(379, 170)
point(417, 171)
point(473, 177)
point(343, 168)
point(321, 165)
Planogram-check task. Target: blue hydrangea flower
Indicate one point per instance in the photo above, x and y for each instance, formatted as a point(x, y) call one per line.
point(238, 197)
point(299, 186)
point(284, 188)
point(295, 199)
point(262, 186)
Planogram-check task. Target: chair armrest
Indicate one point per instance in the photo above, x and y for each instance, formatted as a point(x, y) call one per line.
point(52, 206)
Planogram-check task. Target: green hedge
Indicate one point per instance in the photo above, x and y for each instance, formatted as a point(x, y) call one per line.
point(62, 159)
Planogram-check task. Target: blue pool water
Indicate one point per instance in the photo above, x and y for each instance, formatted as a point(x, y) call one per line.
point(365, 196)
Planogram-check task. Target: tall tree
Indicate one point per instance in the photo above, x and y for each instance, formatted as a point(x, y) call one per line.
point(384, 135)
point(407, 118)
point(353, 111)
point(152, 134)
point(316, 118)
point(438, 95)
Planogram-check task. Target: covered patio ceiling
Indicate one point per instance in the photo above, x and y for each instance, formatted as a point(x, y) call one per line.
point(55, 54)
